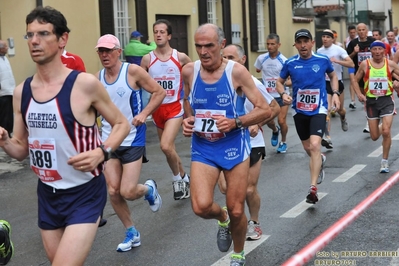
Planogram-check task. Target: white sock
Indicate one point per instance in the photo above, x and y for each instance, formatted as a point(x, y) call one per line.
point(177, 177)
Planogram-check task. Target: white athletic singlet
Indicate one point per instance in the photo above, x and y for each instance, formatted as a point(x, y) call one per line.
point(168, 75)
point(258, 140)
point(129, 102)
point(55, 136)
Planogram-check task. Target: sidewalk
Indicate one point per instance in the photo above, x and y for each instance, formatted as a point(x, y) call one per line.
point(8, 164)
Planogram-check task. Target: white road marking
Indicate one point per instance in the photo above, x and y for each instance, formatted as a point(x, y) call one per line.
point(395, 260)
point(248, 247)
point(376, 153)
point(301, 207)
point(351, 172)
point(396, 137)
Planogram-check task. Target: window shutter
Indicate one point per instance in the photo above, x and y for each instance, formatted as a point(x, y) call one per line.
point(202, 12)
point(106, 17)
point(253, 25)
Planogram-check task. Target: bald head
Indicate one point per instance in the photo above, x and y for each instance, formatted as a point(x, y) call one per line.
point(362, 31)
point(235, 53)
point(3, 47)
point(361, 25)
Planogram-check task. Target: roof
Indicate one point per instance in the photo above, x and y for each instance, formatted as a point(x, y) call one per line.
point(326, 8)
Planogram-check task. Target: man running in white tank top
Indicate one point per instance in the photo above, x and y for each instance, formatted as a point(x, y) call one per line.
point(124, 83)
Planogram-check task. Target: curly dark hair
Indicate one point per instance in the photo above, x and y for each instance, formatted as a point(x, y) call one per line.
point(49, 15)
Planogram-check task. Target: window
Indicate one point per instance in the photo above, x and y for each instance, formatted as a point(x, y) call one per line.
point(261, 24)
point(212, 12)
point(121, 22)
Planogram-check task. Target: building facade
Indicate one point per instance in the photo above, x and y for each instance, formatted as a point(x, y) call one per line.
point(245, 22)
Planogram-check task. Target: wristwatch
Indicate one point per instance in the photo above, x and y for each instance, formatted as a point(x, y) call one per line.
point(238, 123)
point(107, 151)
point(337, 93)
point(281, 94)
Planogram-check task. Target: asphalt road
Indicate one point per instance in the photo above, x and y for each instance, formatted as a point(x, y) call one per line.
point(175, 236)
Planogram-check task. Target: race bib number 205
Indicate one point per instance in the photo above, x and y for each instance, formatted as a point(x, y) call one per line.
point(308, 100)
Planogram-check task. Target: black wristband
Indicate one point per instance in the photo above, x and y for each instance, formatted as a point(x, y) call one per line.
point(281, 94)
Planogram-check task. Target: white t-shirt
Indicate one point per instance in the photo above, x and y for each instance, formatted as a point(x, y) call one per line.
point(270, 68)
point(7, 81)
point(338, 53)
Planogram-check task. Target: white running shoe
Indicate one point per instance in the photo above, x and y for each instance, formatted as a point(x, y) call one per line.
point(131, 241)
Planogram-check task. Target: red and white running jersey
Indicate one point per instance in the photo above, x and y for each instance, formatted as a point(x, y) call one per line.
point(168, 75)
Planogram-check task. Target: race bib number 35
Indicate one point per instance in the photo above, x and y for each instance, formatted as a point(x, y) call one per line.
point(43, 159)
point(271, 85)
point(205, 125)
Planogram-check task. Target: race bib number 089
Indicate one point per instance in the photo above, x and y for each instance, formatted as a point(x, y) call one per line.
point(43, 159)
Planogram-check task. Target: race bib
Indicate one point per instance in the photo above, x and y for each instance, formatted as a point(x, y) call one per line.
point(205, 125)
point(271, 85)
point(308, 100)
point(167, 83)
point(43, 159)
point(361, 56)
point(378, 86)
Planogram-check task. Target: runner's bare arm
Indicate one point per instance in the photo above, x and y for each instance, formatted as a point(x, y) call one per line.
point(17, 146)
point(184, 59)
point(145, 81)
point(355, 82)
point(188, 122)
point(335, 87)
point(242, 80)
point(287, 99)
point(145, 62)
point(99, 99)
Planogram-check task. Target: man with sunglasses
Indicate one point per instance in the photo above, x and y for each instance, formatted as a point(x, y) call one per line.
point(123, 82)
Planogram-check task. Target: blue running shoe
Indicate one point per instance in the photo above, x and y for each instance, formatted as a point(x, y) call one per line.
point(274, 140)
point(154, 199)
point(131, 241)
point(282, 148)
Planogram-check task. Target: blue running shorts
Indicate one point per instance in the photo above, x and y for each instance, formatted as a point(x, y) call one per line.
point(224, 153)
point(59, 208)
